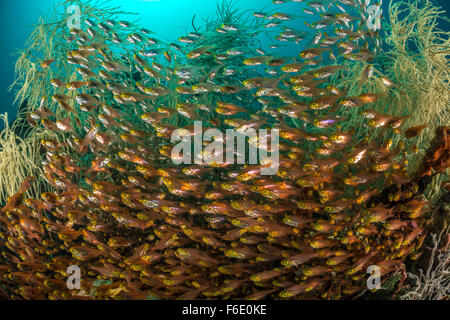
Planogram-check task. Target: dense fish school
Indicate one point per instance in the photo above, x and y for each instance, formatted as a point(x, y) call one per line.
point(141, 227)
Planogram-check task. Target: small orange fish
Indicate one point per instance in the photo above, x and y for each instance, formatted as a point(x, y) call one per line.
point(414, 131)
point(47, 63)
point(228, 109)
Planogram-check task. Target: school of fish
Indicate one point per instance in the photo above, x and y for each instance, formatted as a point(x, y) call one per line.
point(140, 227)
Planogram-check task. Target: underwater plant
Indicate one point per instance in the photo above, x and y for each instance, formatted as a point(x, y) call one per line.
point(140, 225)
point(423, 73)
point(36, 70)
point(415, 58)
point(20, 158)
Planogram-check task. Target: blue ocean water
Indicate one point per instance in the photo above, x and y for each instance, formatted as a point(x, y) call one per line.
point(169, 19)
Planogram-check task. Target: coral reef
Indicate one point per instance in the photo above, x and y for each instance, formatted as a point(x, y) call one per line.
point(434, 283)
point(437, 158)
